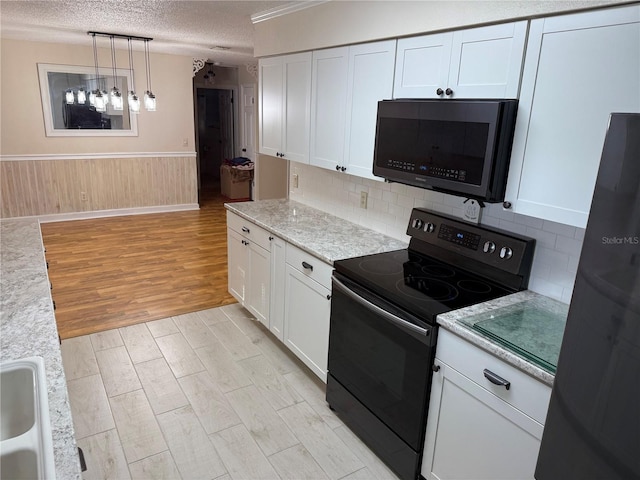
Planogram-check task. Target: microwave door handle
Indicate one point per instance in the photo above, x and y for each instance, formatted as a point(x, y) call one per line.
point(380, 311)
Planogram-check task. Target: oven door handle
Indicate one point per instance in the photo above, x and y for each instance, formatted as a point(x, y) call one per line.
point(380, 311)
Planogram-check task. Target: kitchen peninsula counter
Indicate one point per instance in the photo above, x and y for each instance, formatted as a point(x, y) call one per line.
point(540, 336)
point(321, 234)
point(28, 328)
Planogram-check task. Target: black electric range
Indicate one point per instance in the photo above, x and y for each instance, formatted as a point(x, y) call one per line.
point(383, 329)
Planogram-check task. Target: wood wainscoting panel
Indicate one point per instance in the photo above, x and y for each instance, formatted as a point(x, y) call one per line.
point(45, 187)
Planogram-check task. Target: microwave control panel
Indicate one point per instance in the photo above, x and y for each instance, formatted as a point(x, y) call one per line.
point(459, 175)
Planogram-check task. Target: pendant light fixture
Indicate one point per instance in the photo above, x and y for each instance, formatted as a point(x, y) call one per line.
point(115, 96)
point(99, 98)
point(149, 97)
point(132, 98)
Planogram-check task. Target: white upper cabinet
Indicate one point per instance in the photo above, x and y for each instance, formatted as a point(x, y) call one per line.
point(480, 62)
point(579, 68)
point(285, 95)
point(328, 106)
point(348, 83)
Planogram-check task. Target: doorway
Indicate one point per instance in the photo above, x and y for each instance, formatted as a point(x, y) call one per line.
point(215, 137)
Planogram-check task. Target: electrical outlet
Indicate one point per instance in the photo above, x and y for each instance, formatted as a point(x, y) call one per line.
point(363, 199)
point(295, 180)
point(83, 196)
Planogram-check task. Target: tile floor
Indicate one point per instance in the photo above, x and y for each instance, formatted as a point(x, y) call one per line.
point(206, 395)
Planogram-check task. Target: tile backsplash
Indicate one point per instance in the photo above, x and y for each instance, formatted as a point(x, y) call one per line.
point(389, 205)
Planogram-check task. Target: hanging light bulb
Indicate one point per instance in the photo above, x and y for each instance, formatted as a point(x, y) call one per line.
point(69, 97)
point(82, 96)
point(101, 102)
point(92, 97)
point(149, 97)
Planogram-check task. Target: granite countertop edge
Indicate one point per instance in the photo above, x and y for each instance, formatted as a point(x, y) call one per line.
point(451, 321)
point(28, 328)
point(301, 225)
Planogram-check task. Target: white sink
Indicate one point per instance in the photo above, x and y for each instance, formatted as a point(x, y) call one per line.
point(26, 446)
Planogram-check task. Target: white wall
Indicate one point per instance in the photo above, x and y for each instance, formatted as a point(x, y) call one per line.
point(389, 206)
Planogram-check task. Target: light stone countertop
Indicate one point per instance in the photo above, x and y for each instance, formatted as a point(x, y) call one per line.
point(28, 328)
point(460, 321)
point(321, 234)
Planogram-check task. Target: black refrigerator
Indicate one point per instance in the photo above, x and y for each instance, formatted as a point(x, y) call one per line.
point(592, 429)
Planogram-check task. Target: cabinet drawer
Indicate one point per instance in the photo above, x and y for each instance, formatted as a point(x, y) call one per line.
point(527, 394)
point(249, 230)
point(316, 268)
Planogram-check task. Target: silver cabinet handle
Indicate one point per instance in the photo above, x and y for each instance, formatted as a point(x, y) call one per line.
point(307, 266)
point(496, 379)
point(245, 230)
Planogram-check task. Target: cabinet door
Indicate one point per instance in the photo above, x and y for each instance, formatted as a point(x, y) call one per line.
point(486, 62)
point(296, 107)
point(471, 433)
point(238, 263)
point(422, 66)
point(306, 324)
point(370, 80)
point(276, 311)
point(258, 295)
point(579, 68)
point(270, 88)
point(328, 107)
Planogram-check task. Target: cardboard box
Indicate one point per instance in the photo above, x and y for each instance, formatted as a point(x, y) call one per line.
point(235, 183)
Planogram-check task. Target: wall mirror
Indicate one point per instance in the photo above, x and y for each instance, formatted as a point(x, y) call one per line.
point(66, 118)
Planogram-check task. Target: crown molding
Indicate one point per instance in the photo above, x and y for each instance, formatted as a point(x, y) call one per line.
point(284, 10)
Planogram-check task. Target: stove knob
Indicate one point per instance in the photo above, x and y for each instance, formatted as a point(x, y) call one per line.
point(417, 223)
point(489, 247)
point(506, 253)
point(429, 227)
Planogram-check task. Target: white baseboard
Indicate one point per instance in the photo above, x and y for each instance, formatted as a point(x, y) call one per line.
point(117, 212)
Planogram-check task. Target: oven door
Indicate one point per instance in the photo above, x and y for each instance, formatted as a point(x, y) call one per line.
point(380, 360)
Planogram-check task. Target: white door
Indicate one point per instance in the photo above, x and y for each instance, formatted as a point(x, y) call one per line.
point(472, 433)
point(296, 107)
point(248, 121)
point(270, 89)
point(328, 107)
point(276, 312)
point(259, 283)
point(306, 324)
point(370, 80)
point(422, 66)
point(237, 265)
point(486, 62)
point(579, 68)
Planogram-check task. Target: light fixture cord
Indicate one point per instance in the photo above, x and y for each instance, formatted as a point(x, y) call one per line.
point(95, 59)
point(146, 55)
point(113, 61)
point(133, 80)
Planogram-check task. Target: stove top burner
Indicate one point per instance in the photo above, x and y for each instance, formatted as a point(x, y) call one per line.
point(421, 286)
point(474, 286)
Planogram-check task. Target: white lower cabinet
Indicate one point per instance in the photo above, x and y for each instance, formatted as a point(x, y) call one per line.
point(249, 265)
point(285, 288)
point(476, 429)
point(307, 309)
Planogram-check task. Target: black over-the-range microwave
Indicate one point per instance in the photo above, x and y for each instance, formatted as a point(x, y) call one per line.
point(460, 147)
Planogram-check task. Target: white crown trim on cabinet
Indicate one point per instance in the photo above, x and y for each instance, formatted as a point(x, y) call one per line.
point(283, 10)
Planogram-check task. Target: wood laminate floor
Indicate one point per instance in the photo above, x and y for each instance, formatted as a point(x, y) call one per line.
point(112, 272)
point(205, 395)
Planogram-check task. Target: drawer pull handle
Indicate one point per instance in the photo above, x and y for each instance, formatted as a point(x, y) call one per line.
point(307, 266)
point(496, 379)
point(245, 230)
point(270, 238)
point(435, 368)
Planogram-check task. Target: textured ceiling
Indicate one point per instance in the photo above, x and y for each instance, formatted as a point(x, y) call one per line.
point(192, 28)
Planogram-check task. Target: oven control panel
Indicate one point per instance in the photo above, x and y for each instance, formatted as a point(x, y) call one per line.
point(498, 248)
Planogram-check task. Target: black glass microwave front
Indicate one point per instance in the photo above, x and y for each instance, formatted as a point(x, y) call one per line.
point(456, 146)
